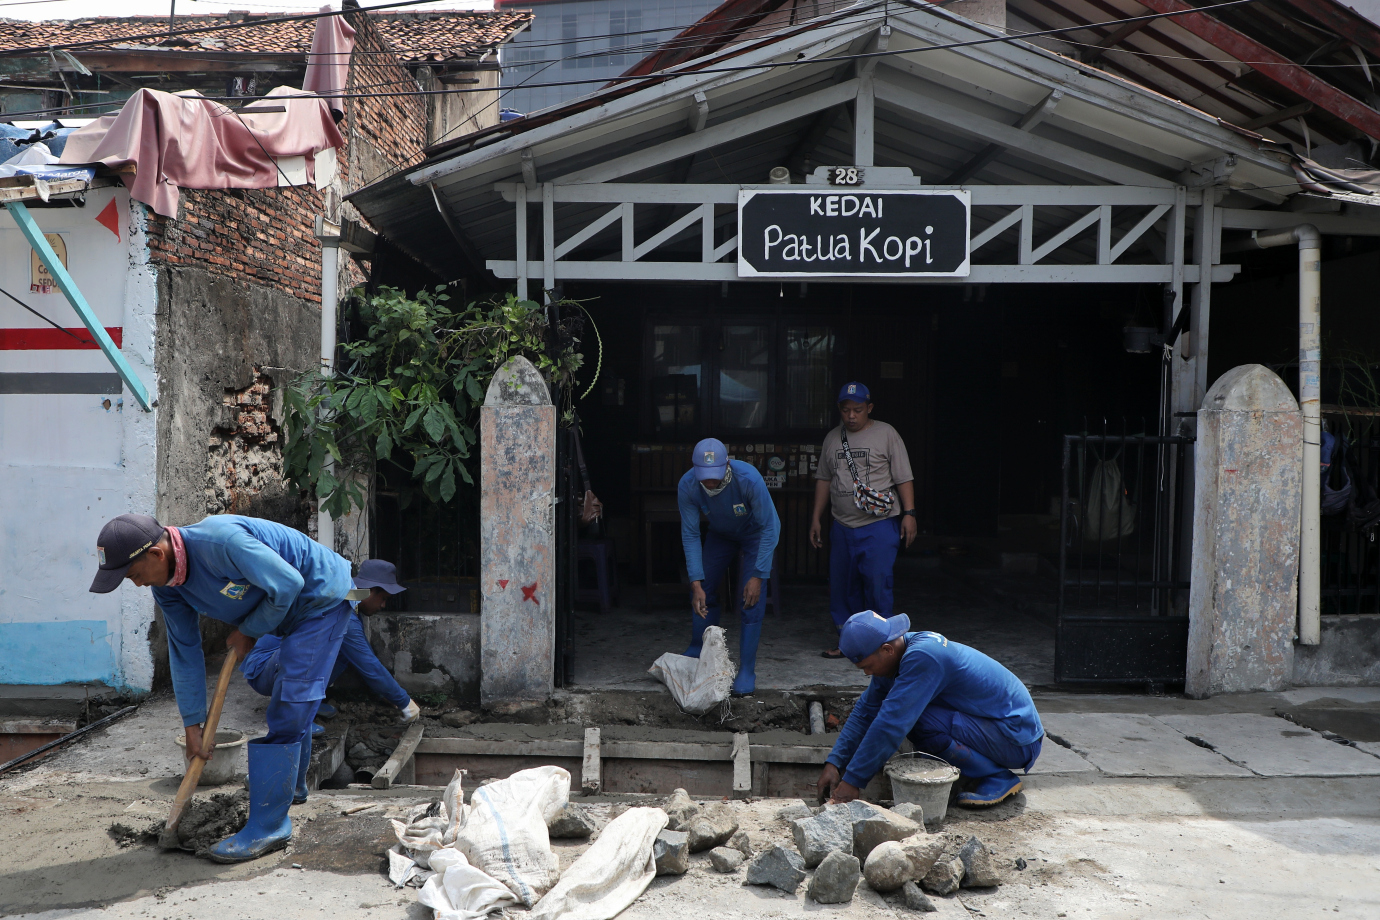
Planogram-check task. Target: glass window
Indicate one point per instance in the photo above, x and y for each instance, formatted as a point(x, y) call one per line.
point(677, 354)
point(744, 377)
point(570, 31)
point(810, 376)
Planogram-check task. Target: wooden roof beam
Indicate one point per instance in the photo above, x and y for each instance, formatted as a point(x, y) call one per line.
point(1114, 39)
point(1273, 66)
point(1343, 21)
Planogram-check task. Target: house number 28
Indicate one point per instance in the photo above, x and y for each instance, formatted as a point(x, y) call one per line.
point(845, 175)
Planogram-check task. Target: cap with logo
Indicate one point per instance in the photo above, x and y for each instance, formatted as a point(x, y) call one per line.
point(858, 392)
point(865, 632)
point(709, 459)
point(376, 573)
point(123, 539)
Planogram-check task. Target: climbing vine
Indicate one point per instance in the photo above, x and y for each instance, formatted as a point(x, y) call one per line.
point(405, 399)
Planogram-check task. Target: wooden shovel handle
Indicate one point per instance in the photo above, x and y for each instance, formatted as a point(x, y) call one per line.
point(168, 839)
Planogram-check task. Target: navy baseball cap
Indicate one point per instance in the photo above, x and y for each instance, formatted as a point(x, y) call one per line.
point(123, 539)
point(858, 392)
point(865, 632)
point(375, 573)
point(709, 459)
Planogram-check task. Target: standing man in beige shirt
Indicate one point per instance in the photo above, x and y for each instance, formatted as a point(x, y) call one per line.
point(864, 474)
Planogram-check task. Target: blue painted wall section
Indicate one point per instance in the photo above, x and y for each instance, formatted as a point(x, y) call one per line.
point(73, 651)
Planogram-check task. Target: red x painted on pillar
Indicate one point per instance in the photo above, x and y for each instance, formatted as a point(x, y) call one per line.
point(529, 593)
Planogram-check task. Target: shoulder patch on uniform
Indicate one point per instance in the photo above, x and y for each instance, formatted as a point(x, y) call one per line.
point(235, 592)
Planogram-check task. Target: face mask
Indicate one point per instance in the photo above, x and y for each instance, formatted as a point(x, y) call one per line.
point(723, 484)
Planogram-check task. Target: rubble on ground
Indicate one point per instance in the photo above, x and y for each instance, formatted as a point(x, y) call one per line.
point(879, 828)
point(978, 871)
point(778, 867)
point(818, 836)
point(944, 876)
point(571, 822)
point(671, 851)
point(680, 810)
point(887, 867)
point(712, 827)
point(835, 880)
point(915, 899)
point(726, 859)
point(910, 810)
point(742, 843)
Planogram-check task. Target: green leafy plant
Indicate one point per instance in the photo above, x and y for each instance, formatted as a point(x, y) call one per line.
point(405, 401)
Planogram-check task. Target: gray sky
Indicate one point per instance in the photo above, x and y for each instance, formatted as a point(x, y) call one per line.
point(78, 9)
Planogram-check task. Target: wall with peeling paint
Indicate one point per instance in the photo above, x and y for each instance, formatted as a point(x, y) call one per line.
point(71, 460)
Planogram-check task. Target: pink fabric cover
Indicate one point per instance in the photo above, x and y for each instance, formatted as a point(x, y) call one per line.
point(183, 140)
point(328, 66)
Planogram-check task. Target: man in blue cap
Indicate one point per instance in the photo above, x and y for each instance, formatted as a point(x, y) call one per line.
point(952, 701)
point(262, 578)
point(742, 524)
point(263, 669)
point(864, 476)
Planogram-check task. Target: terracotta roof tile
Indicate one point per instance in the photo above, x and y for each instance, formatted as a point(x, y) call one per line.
point(416, 36)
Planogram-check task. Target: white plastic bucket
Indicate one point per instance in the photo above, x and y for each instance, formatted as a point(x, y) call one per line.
point(924, 780)
point(229, 761)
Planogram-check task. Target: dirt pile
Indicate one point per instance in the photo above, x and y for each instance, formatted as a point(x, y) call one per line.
point(207, 821)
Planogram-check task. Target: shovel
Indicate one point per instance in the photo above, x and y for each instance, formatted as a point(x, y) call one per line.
point(168, 839)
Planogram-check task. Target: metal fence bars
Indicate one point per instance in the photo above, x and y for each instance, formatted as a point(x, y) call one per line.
point(1351, 537)
point(1123, 575)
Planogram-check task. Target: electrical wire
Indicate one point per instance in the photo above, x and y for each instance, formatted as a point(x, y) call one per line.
point(61, 329)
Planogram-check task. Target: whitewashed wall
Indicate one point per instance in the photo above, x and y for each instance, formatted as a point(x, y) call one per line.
point(70, 461)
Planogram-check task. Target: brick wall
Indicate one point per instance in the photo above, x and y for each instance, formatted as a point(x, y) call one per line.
point(257, 236)
point(384, 132)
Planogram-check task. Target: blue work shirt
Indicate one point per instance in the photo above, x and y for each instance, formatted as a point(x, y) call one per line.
point(743, 510)
point(256, 575)
point(933, 669)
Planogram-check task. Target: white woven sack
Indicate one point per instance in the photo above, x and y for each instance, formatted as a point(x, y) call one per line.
point(698, 684)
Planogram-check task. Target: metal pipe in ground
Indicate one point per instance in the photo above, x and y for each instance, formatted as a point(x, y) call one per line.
point(816, 718)
point(70, 736)
point(1309, 242)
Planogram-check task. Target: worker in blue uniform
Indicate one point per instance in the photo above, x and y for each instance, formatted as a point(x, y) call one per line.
point(742, 524)
point(263, 579)
point(263, 667)
point(952, 701)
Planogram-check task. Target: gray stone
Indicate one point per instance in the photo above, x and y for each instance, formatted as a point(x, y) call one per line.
point(794, 811)
point(672, 852)
point(830, 830)
point(915, 899)
point(711, 828)
point(726, 859)
point(459, 718)
point(570, 822)
point(835, 880)
point(944, 876)
point(910, 810)
point(887, 867)
point(880, 827)
point(361, 752)
point(778, 867)
point(923, 851)
point(978, 871)
point(742, 843)
point(680, 811)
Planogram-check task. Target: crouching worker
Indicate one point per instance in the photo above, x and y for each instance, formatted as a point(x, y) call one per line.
point(262, 578)
point(263, 668)
point(950, 700)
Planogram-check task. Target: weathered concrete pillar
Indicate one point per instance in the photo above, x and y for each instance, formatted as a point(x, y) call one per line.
point(517, 453)
point(1245, 535)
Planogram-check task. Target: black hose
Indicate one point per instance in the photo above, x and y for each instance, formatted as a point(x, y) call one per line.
point(70, 736)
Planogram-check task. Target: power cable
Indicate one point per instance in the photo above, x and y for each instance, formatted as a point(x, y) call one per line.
point(61, 329)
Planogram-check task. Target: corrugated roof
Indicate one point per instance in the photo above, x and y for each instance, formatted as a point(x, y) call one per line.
point(415, 36)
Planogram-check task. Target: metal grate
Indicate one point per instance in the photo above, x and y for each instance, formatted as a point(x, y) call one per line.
point(1350, 555)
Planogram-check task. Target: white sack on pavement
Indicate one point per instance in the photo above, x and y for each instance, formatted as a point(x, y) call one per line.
point(503, 831)
point(459, 891)
point(698, 684)
point(612, 873)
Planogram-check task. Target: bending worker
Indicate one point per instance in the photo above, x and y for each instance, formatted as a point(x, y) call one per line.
point(742, 523)
point(262, 578)
point(952, 701)
point(263, 667)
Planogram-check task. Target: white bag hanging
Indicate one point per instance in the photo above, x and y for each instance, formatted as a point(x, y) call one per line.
point(698, 684)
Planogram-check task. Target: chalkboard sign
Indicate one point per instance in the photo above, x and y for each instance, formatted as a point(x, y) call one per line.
point(808, 232)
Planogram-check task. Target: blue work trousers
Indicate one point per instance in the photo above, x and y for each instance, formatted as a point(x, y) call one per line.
point(305, 660)
point(355, 652)
point(939, 726)
point(719, 551)
point(860, 564)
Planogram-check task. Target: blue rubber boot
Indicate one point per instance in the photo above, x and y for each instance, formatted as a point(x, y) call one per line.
point(698, 625)
point(272, 769)
point(299, 788)
point(325, 710)
point(995, 782)
point(746, 681)
point(317, 729)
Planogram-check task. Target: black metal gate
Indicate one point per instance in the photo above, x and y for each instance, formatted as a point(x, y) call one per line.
point(1123, 574)
point(567, 541)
